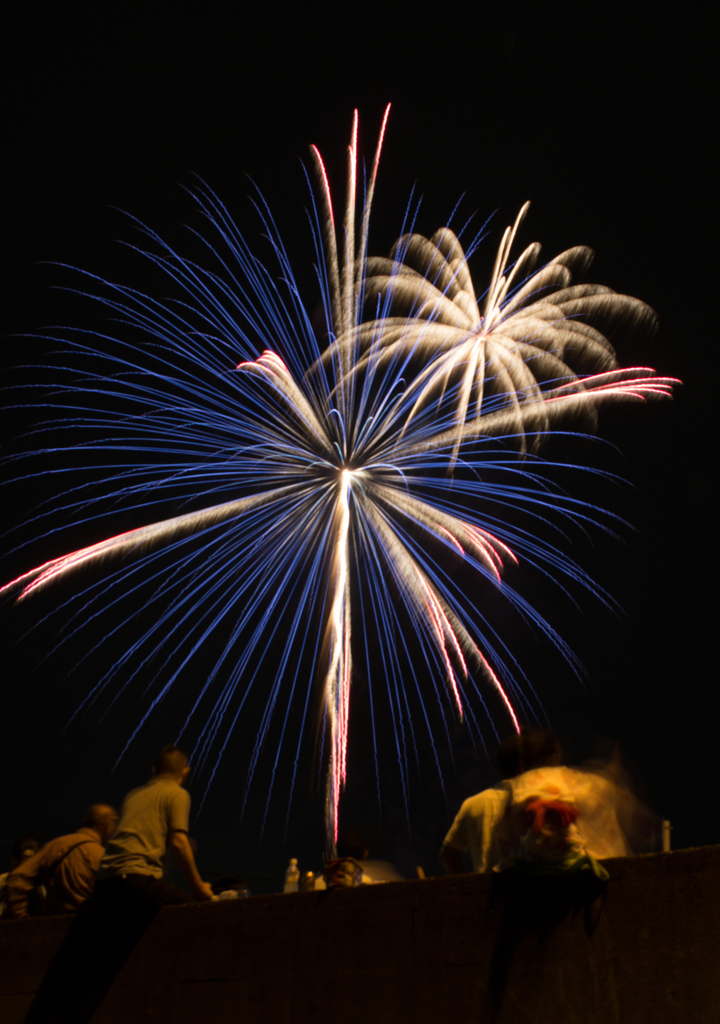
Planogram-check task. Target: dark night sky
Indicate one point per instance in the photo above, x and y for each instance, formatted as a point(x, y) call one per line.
point(599, 113)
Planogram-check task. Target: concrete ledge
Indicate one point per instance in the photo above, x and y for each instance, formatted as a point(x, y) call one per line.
point(417, 952)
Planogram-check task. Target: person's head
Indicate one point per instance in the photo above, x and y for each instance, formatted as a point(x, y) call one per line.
point(509, 756)
point(540, 749)
point(351, 843)
point(103, 818)
point(172, 762)
point(24, 847)
point(528, 749)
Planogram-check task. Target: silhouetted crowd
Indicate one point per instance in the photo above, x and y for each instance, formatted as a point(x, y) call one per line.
point(542, 818)
point(546, 818)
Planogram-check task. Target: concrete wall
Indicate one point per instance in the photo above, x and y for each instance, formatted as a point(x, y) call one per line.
point(420, 951)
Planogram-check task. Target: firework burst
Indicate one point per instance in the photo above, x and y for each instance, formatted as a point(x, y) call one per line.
point(352, 467)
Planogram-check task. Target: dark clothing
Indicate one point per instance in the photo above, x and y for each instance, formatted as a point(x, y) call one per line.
point(66, 866)
point(99, 943)
point(135, 894)
point(128, 895)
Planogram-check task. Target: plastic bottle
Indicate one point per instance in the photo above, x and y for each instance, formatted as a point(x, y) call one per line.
point(292, 876)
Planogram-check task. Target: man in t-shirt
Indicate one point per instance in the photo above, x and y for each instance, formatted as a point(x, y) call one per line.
point(154, 817)
point(474, 830)
point(129, 892)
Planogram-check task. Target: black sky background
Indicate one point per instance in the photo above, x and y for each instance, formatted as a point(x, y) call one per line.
point(598, 113)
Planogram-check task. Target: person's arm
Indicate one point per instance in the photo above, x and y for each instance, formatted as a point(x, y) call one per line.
point(182, 851)
point(452, 860)
point(19, 885)
point(77, 878)
point(456, 843)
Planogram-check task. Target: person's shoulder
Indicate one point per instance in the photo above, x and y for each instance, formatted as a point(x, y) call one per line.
point(133, 794)
point(548, 782)
point(88, 837)
point(557, 773)
point(485, 798)
point(90, 851)
point(62, 844)
point(180, 799)
point(165, 783)
point(174, 789)
point(59, 843)
point(155, 784)
point(479, 803)
point(173, 794)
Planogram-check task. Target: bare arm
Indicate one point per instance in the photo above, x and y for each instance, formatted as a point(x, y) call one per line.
point(182, 851)
point(452, 860)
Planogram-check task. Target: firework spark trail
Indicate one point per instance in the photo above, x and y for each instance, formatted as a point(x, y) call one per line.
point(529, 346)
point(352, 480)
point(337, 683)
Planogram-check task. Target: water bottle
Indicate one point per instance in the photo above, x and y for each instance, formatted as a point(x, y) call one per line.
point(292, 876)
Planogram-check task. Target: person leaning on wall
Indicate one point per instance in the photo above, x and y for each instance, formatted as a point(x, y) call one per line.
point(474, 831)
point(129, 893)
point(65, 868)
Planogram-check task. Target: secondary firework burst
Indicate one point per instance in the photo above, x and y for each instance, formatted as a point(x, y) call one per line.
point(354, 462)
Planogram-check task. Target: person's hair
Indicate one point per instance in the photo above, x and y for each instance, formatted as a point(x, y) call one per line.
point(539, 748)
point(171, 760)
point(22, 844)
point(351, 843)
point(99, 815)
point(509, 757)
point(531, 748)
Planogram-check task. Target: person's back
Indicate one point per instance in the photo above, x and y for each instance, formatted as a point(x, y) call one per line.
point(473, 830)
point(129, 893)
point(559, 818)
point(148, 815)
point(154, 818)
point(66, 867)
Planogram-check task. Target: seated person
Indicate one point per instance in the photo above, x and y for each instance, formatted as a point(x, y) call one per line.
point(65, 866)
point(351, 867)
point(23, 847)
point(129, 893)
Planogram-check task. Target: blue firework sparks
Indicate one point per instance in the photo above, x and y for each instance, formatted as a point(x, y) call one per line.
point(336, 476)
